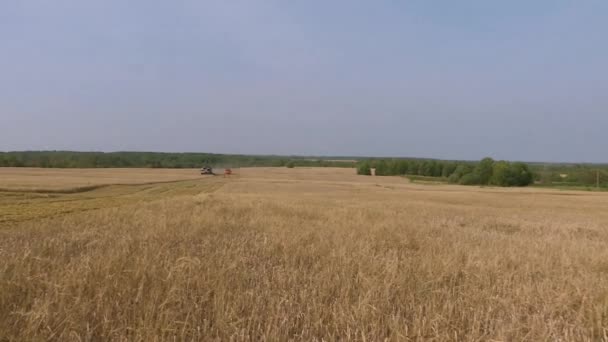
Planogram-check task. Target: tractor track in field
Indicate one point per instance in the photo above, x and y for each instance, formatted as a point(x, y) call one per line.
point(88, 188)
point(23, 206)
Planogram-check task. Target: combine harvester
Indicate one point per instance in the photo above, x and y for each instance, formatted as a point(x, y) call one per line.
point(207, 170)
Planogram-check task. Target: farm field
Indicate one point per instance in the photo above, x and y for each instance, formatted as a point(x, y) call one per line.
point(66, 180)
point(295, 254)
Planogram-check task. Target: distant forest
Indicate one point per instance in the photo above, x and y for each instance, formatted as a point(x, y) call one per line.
point(487, 171)
point(491, 172)
point(69, 159)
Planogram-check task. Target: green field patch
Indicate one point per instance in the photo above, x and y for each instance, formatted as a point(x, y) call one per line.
point(427, 179)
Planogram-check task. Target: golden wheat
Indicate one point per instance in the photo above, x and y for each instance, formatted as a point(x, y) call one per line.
point(311, 254)
point(41, 180)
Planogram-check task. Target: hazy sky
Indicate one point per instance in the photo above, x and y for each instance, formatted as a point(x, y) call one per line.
point(520, 80)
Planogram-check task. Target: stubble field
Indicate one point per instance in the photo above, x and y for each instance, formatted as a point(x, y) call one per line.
point(297, 254)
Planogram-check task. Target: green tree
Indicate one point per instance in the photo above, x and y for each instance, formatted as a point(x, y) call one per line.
point(500, 173)
point(382, 168)
point(521, 174)
point(459, 172)
point(484, 170)
point(470, 179)
point(511, 174)
point(448, 169)
point(426, 168)
point(436, 168)
point(363, 168)
point(402, 167)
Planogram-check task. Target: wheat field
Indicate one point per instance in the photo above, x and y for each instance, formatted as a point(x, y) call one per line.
point(299, 254)
point(71, 180)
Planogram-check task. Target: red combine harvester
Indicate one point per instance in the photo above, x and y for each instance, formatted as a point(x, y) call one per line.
point(227, 172)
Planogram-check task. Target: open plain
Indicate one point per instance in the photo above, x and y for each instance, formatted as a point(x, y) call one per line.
point(295, 254)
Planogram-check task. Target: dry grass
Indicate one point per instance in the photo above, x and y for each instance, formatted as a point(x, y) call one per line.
point(311, 254)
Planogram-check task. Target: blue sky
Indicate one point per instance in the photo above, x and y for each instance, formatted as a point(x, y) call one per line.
point(519, 80)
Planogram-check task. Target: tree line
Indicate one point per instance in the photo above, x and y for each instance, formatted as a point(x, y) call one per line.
point(485, 172)
point(69, 159)
point(458, 172)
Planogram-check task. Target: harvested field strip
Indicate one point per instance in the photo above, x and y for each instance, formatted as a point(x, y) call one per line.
point(18, 206)
point(87, 188)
